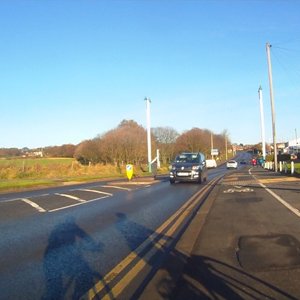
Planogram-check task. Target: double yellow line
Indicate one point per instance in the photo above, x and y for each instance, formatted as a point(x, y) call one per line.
point(157, 240)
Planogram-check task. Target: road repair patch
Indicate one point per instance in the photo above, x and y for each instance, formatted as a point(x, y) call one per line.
point(248, 199)
point(268, 252)
point(249, 182)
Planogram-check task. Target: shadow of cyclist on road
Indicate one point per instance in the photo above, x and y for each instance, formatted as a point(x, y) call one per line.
point(68, 275)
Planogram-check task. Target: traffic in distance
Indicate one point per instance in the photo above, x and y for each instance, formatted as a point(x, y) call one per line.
point(193, 166)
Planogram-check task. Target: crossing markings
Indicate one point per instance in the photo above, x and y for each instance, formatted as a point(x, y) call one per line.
point(80, 200)
point(71, 197)
point(33, 204)
point(76, 204)
point(116, 187)
point(95, 191)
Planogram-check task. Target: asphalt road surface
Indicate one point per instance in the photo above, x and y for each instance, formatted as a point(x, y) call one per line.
point(247, 245)
point(92, 240)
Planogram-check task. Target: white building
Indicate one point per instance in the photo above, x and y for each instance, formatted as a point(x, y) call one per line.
point(295, 142)
point(292, 146)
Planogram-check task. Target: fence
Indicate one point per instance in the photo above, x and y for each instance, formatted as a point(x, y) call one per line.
point(286, 167)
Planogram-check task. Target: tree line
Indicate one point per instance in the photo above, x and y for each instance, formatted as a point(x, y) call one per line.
point(127, 143)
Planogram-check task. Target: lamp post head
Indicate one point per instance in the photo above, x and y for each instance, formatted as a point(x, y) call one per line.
point(259, 89)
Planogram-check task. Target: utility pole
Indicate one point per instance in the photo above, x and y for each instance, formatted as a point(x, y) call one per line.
point(262, 122)
point(226, 148)
point(268, 46)
point(211, 144)
point(148, 101)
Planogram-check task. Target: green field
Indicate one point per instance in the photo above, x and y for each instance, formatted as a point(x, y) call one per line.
point(28, 162)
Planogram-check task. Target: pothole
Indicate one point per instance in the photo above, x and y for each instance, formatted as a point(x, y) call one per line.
point(269, 252)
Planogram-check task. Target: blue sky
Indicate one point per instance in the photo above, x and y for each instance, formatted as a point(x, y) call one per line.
point(70, 70)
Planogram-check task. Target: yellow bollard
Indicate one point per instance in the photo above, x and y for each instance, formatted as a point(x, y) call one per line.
point(129, 171)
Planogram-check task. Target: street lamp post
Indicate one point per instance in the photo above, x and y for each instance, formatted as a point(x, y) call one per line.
point(268, 46)
point(148, 101)
point(262, 121)
point(211, 145)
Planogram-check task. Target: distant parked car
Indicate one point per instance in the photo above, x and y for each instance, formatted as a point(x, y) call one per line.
point(231, 164)
point(211, 163)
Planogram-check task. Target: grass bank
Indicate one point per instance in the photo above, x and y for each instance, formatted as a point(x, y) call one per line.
point(17, 174)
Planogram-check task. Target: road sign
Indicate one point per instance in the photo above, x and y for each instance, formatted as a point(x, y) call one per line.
point(214, 152)
point(129, 171)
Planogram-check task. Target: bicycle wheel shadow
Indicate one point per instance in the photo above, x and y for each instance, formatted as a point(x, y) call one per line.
point(68, 275)
point(208, 278)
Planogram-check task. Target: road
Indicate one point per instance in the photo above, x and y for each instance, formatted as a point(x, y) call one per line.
point(92, 240)
point(247, 245)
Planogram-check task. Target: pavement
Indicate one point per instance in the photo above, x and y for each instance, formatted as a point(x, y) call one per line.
point(243, 243)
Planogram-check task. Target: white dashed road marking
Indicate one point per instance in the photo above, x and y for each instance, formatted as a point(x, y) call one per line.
point(33, 204)
point(116, 187)
point(76, 204)
point(71, 197)
point(96, 191)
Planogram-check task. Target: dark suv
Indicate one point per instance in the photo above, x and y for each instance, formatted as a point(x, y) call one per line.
point(189, 167)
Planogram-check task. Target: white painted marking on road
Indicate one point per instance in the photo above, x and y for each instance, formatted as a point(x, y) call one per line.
point(76, 204)
point(116, 187)
point(96, 191)
point(287, 205)
point(278, 198)
point(33, 204)
point(71, 197)
point(239, 190)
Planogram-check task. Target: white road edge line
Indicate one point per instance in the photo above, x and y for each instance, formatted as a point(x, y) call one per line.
point(33, 204)
point(76, 204)
point(287, 205)
point(283, 202)
point(71, 197)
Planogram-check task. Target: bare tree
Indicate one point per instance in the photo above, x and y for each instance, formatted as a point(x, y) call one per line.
point(66, 150)
point(165, 138)
point(89, 151)
point(126, 143)
point(194, 140)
